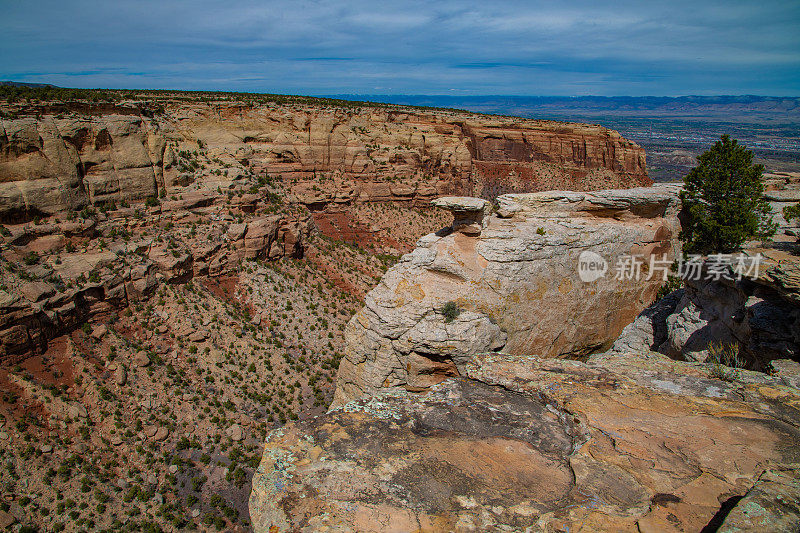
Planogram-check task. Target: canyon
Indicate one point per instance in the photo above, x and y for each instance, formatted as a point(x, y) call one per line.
point(235, 312)
point(177, 271)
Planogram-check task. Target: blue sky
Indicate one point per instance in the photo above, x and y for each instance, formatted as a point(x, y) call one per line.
point(668, 47)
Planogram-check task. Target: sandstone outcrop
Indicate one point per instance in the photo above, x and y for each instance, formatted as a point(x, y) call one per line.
point(56, 164)
point(65, 286)
point(783, 190)
point(624, 442)
point(760, 316)
point(326, 155)
point(513, 284)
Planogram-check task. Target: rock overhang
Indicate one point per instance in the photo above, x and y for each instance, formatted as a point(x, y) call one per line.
point(513, 272)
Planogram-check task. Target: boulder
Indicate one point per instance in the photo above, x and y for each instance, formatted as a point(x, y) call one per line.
point(141, 359)
point(198, 336)
point(236, 231)
point(120, 376)
point(161, 434)
point(235, 432)
point(517, 286)
point(99, 331)
point(76, 410)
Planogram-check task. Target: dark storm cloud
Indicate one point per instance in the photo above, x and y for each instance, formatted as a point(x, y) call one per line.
point(444, 47)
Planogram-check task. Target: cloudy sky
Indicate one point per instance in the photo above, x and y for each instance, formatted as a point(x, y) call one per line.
point(463, 47)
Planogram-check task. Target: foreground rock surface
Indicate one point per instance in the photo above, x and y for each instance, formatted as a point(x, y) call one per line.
point(623, 442)
point(515, 282)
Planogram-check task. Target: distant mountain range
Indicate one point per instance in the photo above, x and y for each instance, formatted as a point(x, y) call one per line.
point(24, 84)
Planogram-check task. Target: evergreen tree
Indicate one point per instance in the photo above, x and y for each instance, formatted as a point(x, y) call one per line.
point(723, 200)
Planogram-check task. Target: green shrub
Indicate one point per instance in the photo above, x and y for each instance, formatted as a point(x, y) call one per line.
point(725, 360)
point(450, 311)
point(31, 258)
point(791, 212)
point(673, 283)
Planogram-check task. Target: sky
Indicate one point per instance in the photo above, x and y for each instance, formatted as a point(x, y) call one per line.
point(463, 47)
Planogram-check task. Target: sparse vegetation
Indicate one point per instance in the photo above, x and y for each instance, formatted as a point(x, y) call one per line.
point(725, 360)
point(791, 212)
point(450, 311)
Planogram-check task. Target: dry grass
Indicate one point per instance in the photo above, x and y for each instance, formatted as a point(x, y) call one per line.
point(725, 360)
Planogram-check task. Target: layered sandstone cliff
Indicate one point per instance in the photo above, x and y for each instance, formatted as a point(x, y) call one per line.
point(510, 283)
point(54, 159)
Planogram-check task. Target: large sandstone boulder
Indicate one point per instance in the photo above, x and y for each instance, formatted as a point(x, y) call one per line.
point(625, 442)
point(515, 281)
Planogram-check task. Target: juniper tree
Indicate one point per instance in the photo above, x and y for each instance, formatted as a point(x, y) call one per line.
point(723, 200)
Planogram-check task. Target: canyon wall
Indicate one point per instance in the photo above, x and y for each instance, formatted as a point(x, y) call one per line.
point(54, 159)
point(509, 281)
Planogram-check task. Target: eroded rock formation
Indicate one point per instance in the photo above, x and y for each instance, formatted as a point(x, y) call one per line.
point(329, 156)
point(67, 285)
point(625, 442)
point(510, 283)
point(759, 317)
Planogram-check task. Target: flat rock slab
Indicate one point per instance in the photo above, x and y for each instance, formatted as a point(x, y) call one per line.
point(395, 457)
point(625, 443)
point(461, 203)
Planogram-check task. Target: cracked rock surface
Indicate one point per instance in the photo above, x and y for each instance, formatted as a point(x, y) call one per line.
point(760, 315)
point(622, 442)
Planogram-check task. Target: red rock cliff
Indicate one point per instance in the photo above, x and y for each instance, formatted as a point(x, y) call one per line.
point(52, 161)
